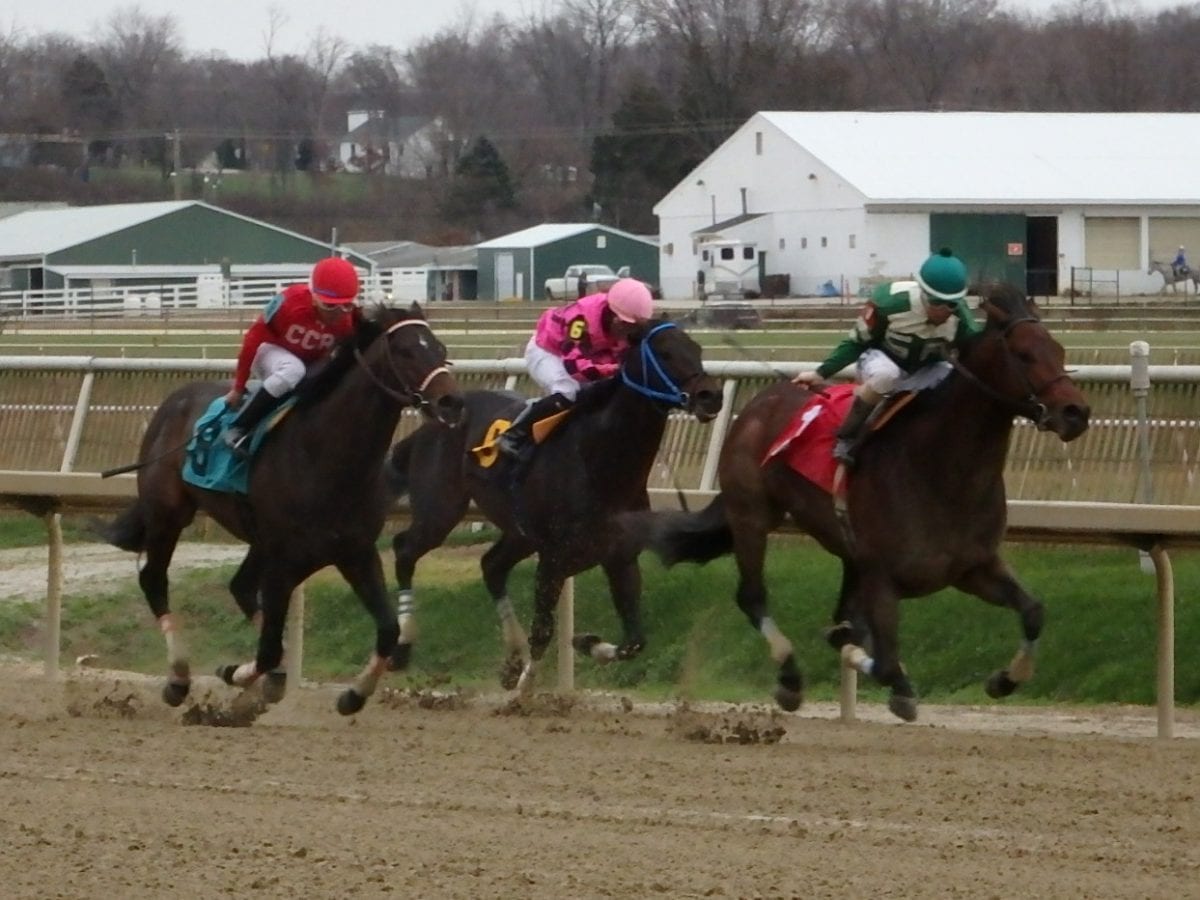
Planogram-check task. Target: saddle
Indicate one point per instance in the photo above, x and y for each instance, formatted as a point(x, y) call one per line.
point(209, 463)
point(487, 452)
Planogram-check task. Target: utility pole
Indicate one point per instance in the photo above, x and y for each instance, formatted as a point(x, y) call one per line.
point(177, 161)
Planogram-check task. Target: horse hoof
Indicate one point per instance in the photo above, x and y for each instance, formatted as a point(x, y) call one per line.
point(629, 651)
point(225, 673)
point(400, 658)
point(274, 687)
point(510, 672)
point(839, 635)
point(350, 701)
point(788, 699)
point(999, 685)
point(174, 692)
point(903, 707)
point(583, 643)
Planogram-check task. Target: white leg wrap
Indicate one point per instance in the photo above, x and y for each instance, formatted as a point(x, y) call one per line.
point(368, 679)
point(406, 608)
point(514, 634)
point(245, 674)
point(1021, 668)
point(177, 658)
point(781, 647)
point(855, 657)
point(528, 676)
point(604, 652)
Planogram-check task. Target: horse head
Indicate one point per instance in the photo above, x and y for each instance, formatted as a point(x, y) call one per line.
point(665, 364)
point(1018, 362)
point(407, 361)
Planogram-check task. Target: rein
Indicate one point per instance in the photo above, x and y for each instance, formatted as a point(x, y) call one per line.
point(1028, 406)
point(408, 395)
point(673, 395)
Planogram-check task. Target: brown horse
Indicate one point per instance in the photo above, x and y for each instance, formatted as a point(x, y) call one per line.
point(591, 468)
point(316, 493)
point(925, 503)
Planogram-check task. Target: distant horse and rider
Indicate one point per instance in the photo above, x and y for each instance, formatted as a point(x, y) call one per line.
point(314, 494)
point(1175, 272)
point(922, 509)
point(563, 502)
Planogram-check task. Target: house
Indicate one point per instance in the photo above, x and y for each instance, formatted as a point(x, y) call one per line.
point(517, 265)
point(409, 146)
point(148, 244)
point(857, 197)
point(407, 270)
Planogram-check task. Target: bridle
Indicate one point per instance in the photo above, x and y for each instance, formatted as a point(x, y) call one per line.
point(407, 395)
point(673, 395)
point(1028, 406)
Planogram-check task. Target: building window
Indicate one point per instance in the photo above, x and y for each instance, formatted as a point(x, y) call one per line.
point(758, 143)
point(782, 244)
point(669, 249)
point(853, 241)
point(804, 243)
point(824, 242)
point(601, 241)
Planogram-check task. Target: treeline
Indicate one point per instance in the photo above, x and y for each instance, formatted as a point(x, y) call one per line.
point(585, 109)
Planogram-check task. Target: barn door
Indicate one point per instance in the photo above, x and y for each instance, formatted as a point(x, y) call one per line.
point(992, 245)
point(505, 283)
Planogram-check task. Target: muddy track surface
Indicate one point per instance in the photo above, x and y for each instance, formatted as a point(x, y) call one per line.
point(108, 793)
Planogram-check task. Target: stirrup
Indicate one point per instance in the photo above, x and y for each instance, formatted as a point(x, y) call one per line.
point(237, 441)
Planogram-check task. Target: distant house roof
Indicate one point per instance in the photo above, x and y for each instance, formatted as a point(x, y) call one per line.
point(728, 223)
point(540, 235)
point(43, 231)
point(1015, 157)
point(378, 129)
point(411, 255)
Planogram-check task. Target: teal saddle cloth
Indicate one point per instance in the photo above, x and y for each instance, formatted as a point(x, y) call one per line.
point(210, 464)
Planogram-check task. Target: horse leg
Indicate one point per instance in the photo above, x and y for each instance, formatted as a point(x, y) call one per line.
point(625, 586)
point(548, 585)
point(848, 627)
point(995, 583)
point(364, 573)
point(153, 580)
point(427, 532)
point(496, 564)
point(750, 551)
point(244, 588)
point(880, 604)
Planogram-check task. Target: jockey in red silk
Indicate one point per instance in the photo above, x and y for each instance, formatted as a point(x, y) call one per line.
point(299, 326)
point(900, 341)
point(576, 346)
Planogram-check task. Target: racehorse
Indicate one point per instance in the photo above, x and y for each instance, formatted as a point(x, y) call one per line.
point(1170, 276)
point(315, 493)
point(924, 505)
point(590, 468)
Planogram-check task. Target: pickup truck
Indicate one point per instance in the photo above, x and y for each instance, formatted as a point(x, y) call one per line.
point(599, 278)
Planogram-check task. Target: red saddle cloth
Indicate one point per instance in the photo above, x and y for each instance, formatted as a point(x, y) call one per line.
point(806, 444)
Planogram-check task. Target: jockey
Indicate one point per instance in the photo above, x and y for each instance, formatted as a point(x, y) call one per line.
point(1180, 263)
point(574, 348)
point(298, 327)
point(900, 341)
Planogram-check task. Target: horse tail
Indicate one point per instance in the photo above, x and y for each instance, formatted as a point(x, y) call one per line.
point(398, 463)
point(692, 537)
point(127, 531)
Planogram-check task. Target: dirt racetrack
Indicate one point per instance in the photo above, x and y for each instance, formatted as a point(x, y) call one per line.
point(105, 792)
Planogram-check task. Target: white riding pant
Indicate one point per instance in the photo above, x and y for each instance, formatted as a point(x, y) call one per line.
point(879, 373)
point(279, 369)
point(548, 371)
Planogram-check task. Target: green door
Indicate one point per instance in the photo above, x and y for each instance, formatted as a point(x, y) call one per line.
point(992, 245)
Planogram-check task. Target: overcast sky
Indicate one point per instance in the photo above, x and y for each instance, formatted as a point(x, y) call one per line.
point(238, 28)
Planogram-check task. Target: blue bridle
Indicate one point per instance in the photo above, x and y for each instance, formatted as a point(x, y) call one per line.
point(650, 364)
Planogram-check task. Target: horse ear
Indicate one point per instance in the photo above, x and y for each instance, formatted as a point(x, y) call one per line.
point(415, 311)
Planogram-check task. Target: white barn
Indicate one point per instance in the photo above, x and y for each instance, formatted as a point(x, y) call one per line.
point(855, 197)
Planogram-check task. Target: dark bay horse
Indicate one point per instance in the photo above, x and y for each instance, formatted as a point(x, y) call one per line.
point(926, 504)
point(316, 492)
point(592, 467)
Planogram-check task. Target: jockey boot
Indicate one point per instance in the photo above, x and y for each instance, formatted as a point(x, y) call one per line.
point(851, 430)
point(237, 435)
point(517, 441)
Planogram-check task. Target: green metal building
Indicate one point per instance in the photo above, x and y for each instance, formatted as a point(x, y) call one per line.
point(516, 266)
point(149, 244)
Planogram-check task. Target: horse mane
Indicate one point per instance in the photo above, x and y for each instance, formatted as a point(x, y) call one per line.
point(375, 321)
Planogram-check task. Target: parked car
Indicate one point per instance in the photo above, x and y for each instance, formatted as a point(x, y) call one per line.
point(597, 278)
